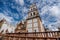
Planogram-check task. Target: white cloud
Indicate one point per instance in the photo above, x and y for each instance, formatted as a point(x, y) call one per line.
point(20, 1)
point(56, 13)
point(54, 26)
point(55, 10)
point(25, 10)
point(45, 9)
point(7, 18)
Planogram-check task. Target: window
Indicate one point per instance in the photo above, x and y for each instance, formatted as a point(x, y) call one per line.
point(29, 25)
point(31, 14)
point(29, 21)
point(36, 24)
point(30, 30)
point(36, 29)
point(34, 13)
point(35, 20)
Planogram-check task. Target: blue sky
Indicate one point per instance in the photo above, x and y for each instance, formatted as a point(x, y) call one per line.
point(16, 10)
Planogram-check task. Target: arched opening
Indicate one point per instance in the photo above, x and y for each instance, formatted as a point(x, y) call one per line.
point(33, 13)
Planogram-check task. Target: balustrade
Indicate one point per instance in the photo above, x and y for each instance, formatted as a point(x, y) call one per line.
point(34, 35)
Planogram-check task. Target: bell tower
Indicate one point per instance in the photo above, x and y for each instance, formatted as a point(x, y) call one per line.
point(33, 12)
point(34, 23)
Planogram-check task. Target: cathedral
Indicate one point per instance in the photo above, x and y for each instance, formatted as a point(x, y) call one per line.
point(31, 29)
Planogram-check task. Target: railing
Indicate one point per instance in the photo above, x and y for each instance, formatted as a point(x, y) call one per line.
point(54, 34)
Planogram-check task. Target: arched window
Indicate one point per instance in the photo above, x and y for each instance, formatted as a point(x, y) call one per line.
point(34, 13)
point(31, 14)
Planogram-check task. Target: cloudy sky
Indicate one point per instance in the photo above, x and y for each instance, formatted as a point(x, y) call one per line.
point(16, 10)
